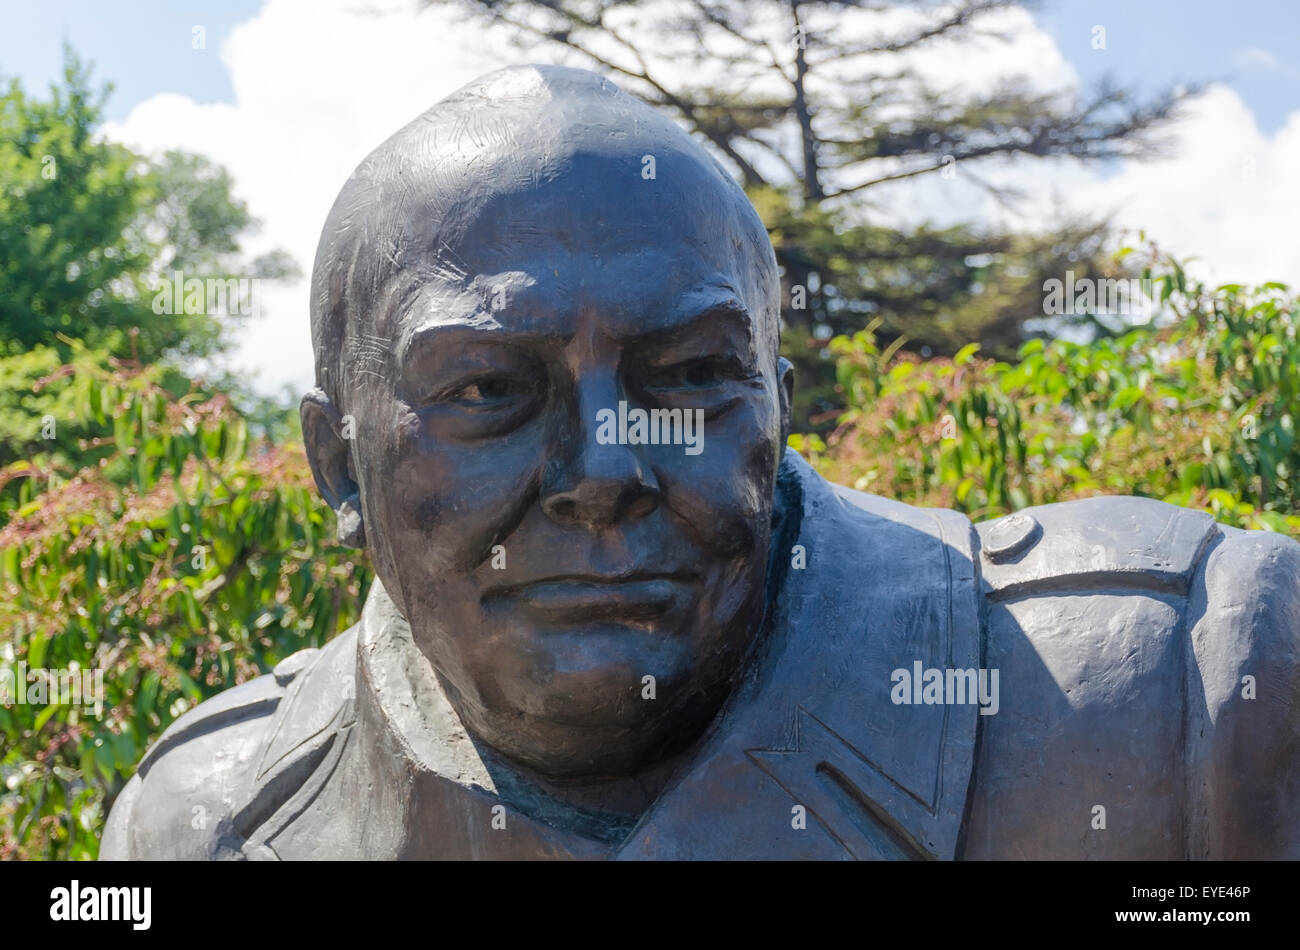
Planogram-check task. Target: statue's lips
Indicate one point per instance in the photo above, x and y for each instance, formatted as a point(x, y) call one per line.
point(579, 598)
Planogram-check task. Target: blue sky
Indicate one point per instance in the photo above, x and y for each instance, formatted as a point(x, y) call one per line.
point(1154, 43)
point(143, 47)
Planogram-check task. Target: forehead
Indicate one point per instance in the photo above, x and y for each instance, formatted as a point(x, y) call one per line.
point(599, 245)
point(543, 313)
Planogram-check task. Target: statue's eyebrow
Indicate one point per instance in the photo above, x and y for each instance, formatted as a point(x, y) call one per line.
point(460, 317)
point(697, 309)
point(432, 336)
point(694, 311)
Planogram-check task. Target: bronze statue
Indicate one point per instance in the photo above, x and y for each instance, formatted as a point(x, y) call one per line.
point(615, 617)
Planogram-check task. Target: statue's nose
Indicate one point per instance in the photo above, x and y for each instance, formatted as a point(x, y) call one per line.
point(597, 483)
point(602, 495)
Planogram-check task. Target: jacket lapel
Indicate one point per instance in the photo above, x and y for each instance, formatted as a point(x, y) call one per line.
point(812, 758)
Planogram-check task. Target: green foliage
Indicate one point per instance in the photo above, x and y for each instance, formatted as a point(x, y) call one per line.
point(187, 559)
point(88, 228)
point(44, 409)
point(1198, 411)
point(67, 203)
point(148, 532)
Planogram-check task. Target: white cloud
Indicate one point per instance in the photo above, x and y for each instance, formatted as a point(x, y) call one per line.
point(1256, 56)
point(1229, 196)
point(319, 84)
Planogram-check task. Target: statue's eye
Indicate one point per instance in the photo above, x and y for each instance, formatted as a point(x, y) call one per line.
point(489, 392)
point(692, 374)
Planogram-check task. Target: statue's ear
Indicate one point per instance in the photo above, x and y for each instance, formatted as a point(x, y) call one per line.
point(327, 437)
point(785, 383)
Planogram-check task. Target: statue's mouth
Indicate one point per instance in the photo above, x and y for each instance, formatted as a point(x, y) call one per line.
point(581, 598)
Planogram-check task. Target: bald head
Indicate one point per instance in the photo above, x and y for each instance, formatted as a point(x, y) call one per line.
point(535, 252)
point(442, 201)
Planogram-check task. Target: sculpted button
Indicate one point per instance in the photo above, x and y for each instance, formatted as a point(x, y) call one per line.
point(290, 666)
point(1010, 536)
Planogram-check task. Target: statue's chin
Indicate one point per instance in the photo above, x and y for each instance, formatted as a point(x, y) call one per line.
point(573, 753)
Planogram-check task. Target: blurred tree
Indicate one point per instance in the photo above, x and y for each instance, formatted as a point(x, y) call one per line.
point(815, 107)
point(67, 208)
point(89, 231)
point(1197, 409)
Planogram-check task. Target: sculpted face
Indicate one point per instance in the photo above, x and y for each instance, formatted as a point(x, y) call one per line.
point(547, 569)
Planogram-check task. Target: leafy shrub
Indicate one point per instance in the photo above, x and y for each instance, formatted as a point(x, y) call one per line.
point(1198, 410)
point(185, 559)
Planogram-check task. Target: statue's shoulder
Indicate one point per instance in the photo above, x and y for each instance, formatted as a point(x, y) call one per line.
point(219, 770)
point(1125, 542)
point(1230, 585)
point(1146, 640)
point(1115, 542)
point(1244, 639)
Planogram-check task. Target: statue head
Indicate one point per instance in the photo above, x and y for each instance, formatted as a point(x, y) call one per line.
point(550, 405)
